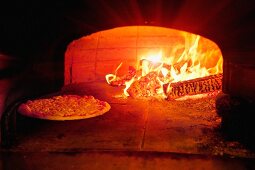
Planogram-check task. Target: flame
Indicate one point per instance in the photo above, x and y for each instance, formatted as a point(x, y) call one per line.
point(193, 62)
point(128, 84)
point(112, 77)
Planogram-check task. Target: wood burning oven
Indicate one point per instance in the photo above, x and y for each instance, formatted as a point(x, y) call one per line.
point(55, 25)
point(40, 35)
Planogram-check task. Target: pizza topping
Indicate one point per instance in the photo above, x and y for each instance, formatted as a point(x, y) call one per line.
point(61, 107)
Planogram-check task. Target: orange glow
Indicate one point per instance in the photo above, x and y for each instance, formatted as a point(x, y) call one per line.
point(112, 77)
point(196, 57)
point(128, 84)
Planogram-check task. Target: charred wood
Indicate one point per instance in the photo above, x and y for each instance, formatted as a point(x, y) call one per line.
point(120, 81)
point(192, 87)
point(144, 87)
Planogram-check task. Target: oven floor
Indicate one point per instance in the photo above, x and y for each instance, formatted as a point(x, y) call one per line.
point(134, 129)
point(119, 160)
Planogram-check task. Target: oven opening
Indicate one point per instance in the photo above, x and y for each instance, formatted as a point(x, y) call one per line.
point(148, 61)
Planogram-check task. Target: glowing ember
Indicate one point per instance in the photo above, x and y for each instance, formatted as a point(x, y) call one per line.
point(155, 70)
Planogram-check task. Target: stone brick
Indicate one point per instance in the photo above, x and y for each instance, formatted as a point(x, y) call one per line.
point(119, 54)
point(117, 42)
point(160, 41)
point(82, 56)
point(67, 62)
point(207, 44)
point(67, 78)
point(83, 72)
point(107, 67)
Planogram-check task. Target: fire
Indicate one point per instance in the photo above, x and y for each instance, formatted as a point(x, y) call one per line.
point(112, 77)
point(157, 69)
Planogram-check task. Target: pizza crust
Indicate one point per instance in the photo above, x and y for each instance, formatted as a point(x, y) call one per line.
point(66, 107)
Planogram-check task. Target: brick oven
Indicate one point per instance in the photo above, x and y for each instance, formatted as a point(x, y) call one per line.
point(69, 48)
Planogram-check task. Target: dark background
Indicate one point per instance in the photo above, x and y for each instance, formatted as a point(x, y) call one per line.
point(32, 27)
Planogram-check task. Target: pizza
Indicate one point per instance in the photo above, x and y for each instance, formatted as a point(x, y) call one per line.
point(64, 107)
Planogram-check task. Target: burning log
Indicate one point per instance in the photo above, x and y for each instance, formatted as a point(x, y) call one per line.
point(206, 84)
point(120, 81)
point(144, 87)
point(132, 72)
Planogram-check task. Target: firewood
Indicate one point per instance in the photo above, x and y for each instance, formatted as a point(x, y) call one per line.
point(120, 81)
point(132, 72)
point(144, 87)
point(192, 87)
